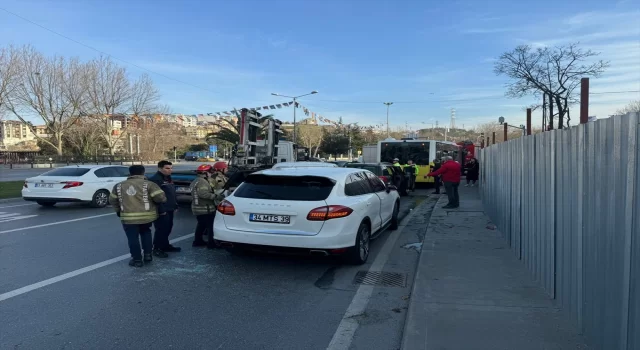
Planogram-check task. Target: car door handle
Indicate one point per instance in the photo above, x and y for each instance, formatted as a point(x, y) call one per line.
point(368, 204)
point(110, 180)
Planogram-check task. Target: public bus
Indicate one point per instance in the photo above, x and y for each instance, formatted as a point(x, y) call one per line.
point(421, 152)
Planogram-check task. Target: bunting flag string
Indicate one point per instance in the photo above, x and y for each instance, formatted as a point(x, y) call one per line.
point(315, 117)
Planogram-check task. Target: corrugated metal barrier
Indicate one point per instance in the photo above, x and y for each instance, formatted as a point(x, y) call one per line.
point(568, 203)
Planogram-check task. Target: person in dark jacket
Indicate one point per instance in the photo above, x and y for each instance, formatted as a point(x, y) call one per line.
point(450, 171)
point(473, 171)
point(164, 223)
point(436, 179)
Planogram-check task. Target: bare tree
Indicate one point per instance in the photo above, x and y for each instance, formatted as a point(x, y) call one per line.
point(310, 136)
point(52, 89)
point(157, 138)
point(555, 72)
point(84, 138)
point(632, 107)
point(111, 93)
point(9, 74)
point(144, 96)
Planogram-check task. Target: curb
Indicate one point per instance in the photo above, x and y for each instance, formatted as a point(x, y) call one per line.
point(414, 335)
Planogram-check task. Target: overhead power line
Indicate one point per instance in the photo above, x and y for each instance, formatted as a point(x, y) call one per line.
point(107, 54)
point(315, 100)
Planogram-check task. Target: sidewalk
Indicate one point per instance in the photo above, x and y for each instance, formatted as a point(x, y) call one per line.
point(471, 292)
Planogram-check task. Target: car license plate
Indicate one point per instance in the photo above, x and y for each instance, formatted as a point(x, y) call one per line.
point(45, 185)
point(276, 219)
point(182, 189)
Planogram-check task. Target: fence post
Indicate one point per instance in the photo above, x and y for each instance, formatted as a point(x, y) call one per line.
point(584, 100)
point(506, 132)
point(494, 138)
point(528, 121)
point(488, 143)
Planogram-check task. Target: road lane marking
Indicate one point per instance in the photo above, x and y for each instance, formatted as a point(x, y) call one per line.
point(19, 205)
point(60, 278)
point(6, 217)
point(343, 336)
point(56, 223)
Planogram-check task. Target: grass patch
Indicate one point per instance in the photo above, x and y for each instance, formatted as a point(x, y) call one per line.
point(11, 189)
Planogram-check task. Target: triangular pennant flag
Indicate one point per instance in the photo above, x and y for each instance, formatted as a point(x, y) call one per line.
point(279, 106)
point(272, 107)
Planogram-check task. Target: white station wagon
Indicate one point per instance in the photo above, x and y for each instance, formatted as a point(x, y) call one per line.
point(316, 210)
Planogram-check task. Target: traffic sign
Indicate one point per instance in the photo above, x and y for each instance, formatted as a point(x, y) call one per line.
point(213, 148)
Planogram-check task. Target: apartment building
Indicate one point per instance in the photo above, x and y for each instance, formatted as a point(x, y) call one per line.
point(13, 132)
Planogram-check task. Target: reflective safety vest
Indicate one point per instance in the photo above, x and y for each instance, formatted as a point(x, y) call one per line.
point(136, 199)
point(411, 169)
point(203, 197)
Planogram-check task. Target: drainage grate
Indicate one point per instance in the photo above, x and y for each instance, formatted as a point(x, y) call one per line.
point(380, 278)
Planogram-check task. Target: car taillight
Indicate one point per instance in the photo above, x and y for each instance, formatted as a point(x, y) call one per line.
point(70, 184)
point(329, 212)
point(384, 178)
point(226, 208)
point(25, 185)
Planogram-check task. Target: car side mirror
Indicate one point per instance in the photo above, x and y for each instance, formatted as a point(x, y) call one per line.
point(391, 187)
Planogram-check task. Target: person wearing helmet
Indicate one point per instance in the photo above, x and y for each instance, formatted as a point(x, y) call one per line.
point(220, 179)
point(203, 205)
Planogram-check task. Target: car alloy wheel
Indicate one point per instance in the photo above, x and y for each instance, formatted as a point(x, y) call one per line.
point(100, 199)
point(364, 236)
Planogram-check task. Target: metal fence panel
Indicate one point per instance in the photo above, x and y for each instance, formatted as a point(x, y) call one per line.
point(634, 283)
point(568, 204)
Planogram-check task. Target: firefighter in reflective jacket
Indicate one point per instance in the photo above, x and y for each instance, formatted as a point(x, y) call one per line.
point(204, 199)
point(134, 201)
point(219, 180)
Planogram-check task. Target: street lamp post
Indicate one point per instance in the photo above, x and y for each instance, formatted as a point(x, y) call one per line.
point(388, 104)
point(295, 104)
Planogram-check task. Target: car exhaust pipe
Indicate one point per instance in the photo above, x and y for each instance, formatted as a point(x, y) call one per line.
point(315, 252)
point(226, 244)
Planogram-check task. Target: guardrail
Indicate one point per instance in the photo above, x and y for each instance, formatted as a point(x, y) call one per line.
point(56, 161)
point(568, 204)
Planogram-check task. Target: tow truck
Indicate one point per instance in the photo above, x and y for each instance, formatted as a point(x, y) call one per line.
point(251, 153)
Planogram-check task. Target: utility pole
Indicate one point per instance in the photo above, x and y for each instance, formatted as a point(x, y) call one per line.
point(388, 104)
point(295, 106)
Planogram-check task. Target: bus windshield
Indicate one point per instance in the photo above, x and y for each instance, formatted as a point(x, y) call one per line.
point(418, 152)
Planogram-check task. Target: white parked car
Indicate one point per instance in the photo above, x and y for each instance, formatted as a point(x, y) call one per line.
point(303, 165)
point(76, 183)
point(319, 210)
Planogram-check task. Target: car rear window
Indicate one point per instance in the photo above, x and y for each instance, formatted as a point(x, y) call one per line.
point(289, 188)
point(67, 172)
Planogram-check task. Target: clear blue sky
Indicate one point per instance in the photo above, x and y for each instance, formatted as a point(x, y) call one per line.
point(357, 53)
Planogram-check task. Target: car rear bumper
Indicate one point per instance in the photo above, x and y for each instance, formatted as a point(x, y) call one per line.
point(52, 199)
point(321, 241)
point(67, 195)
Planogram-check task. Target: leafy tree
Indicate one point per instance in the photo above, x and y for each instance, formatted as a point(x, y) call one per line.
point(198, 148)
point(334, 141)
point(229, 132)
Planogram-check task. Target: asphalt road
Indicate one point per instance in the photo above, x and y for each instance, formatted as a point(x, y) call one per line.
point(21, 174)
point(65, 284)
